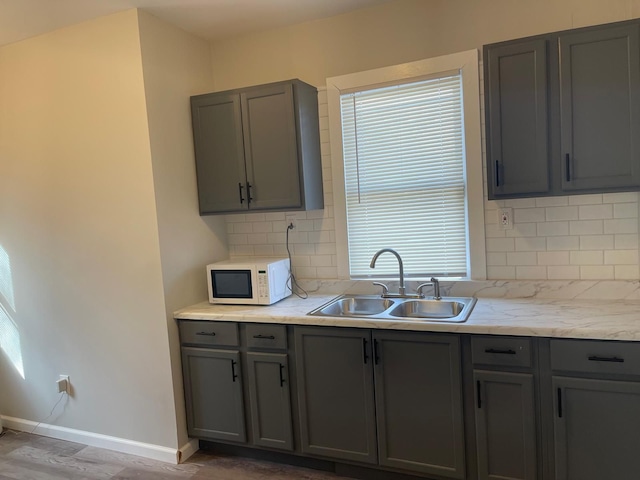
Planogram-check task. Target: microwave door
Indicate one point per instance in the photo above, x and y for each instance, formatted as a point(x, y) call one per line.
point(231, 284)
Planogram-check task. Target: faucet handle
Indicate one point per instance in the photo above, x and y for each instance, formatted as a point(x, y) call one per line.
point(385, 289)
point(421, 286)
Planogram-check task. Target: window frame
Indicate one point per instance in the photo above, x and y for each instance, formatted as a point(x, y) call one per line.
point(467, 63)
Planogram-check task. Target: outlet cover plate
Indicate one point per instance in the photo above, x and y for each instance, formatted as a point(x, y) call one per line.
point(505, 218)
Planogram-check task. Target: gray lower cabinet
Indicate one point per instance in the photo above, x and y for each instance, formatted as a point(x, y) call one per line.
point(415, 379)
point(270, 400)
point(335, 393)
point(258, 148)
point(505, 425)
point(213, 394)
point(597, 429)
point(419, 402)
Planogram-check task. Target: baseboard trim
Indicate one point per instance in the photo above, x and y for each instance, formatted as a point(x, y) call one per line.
point(188, 449)
point(147, 450)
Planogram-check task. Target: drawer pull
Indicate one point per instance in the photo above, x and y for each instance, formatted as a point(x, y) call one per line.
point(208, 334)
point(479, 393)
point(365, 357)
point(606, 359)
point(502, 352)
point(267, 337)
point(281, 376)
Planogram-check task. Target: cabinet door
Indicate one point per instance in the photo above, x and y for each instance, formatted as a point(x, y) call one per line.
point(219, 151)
point(419, 403)
point(213, 394)
point(516, 90)
point(271, 149)
point(597, 429)
point(335, 391)
point(270, 400)
point(505, 426)
point(600, 108)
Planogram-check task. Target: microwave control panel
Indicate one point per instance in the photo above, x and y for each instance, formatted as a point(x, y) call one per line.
point(263, 285)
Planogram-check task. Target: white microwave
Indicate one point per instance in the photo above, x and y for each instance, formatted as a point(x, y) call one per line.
point(257, 281)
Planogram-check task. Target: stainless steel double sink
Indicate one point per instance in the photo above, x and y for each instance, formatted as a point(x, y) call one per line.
point(447, 309)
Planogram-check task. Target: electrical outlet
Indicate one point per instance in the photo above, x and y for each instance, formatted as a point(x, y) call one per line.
point(505, 218)
point(290, 219)
point(64, 385)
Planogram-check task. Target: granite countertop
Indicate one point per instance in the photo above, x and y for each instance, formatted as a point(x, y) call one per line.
point(606, 319)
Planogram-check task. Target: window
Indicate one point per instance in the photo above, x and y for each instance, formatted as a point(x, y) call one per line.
point(407, 166)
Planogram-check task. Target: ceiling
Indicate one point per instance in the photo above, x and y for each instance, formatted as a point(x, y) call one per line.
point(209, 19)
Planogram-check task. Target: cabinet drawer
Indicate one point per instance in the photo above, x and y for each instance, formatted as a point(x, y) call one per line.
point(266, 336)
point(595, 356)
point(209, 333)
point(503, 351)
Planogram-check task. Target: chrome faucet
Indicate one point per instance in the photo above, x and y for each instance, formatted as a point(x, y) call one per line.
point(385, 290)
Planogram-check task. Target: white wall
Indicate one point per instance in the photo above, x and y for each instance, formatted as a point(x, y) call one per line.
point(82, 280)
point(177, 65)
point(577, 237)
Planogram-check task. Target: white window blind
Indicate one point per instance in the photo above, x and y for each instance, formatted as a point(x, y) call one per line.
point(403, 151)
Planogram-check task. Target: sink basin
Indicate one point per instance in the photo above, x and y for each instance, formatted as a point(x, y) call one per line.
point(427, 309)
point(351, 306)
point(448, 309)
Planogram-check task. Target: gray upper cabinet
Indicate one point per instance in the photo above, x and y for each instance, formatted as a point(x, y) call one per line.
point(600, 108)
point(516, 96)
point(335, 391)
point(419, 403)
point(563, 112)
point(258, 149)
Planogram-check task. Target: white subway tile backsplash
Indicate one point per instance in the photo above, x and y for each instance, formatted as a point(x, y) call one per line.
point(563, 272)
point(257, 238)
point(552, 201)
point(327, 272)
point(595, 212)
point(525, 215)
point(621, 225)
point(592, 199)
point(626, 241)
point(520, 202)
point(304, 249)
point(237, 239)
point(531, 273)
point(496, 259)
point(563, 243)
point(242, 227)
point(586, 227)
point(626, 272)
point(522, 258)
point(549, 229)
point(561, 213)
point(621, 257)
point(530, 244)
point(262, 227)
point(522, 230)
point(587, 257)
point(500, 244)
point(553, 258)
point(501, 273)
point(321, 261)
point(263, 250)
point(602, 272)
point(625, 210)
point(621, 197)
point(325, 248)
point(270, 217)
point(596, 242)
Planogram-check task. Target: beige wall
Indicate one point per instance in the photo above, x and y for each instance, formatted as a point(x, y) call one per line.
point(177, 65)
point(397, 32)
point(82, 277)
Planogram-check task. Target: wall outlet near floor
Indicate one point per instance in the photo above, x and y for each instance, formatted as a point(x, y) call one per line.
point(505, 218)
point(63, 384)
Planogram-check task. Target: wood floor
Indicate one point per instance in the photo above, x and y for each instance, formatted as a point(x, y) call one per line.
point(31, 457)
